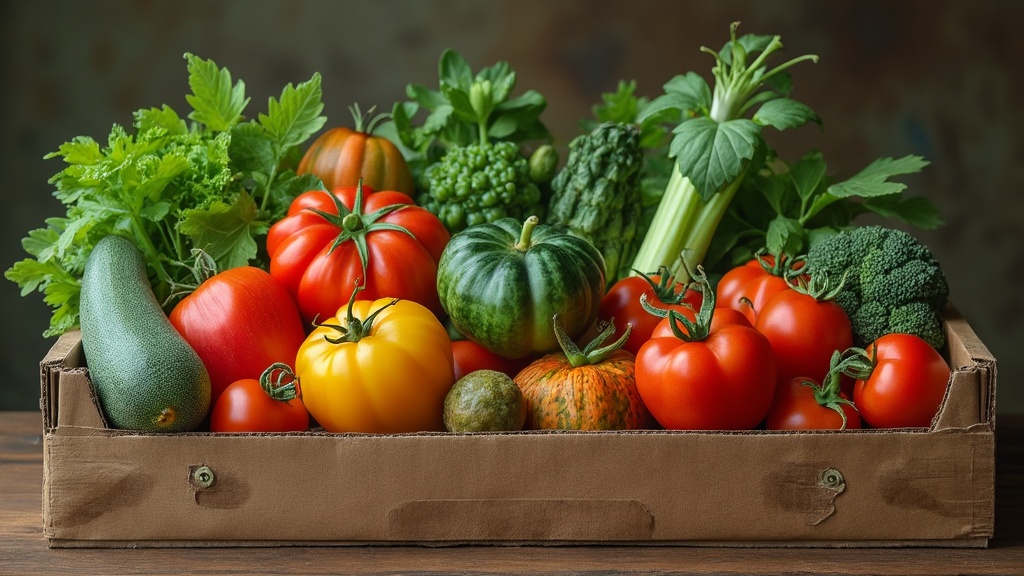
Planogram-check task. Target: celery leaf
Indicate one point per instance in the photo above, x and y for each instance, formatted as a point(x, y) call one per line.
point(291, 120)
point(712, 154)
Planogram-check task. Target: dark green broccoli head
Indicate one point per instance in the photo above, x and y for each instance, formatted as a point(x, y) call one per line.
point(480, 183)
point(894, 284)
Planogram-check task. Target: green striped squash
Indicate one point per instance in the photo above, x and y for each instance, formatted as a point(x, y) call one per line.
point(502, 282)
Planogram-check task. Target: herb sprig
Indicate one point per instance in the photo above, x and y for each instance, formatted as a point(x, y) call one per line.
point(212, 182)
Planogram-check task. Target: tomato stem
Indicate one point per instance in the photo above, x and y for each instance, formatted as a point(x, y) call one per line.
point(280, 382)
point(355, 329)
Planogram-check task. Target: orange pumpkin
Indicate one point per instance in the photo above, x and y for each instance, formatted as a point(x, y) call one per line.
point(343, 156)
point(589, 389)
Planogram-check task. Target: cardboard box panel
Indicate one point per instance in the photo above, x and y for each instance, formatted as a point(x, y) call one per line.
point(931, 487)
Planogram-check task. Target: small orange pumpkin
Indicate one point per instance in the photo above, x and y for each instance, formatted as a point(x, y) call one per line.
point(343, 156)
point(589, 389)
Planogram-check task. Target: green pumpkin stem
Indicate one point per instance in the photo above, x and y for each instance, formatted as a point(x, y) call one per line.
point(592, 353)
point(280, 382)
point(524, 237)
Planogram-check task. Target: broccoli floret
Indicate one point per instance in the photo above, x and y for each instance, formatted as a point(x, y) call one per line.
point(892, 283)
point(480, 182)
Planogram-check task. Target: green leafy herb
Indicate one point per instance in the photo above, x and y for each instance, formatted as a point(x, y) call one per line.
point(212, 183)
point(784, 207)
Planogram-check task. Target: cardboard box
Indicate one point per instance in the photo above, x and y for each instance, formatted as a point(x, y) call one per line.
point(931, 487)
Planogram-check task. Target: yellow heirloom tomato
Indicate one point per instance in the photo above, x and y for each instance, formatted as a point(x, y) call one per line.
point(382, 366)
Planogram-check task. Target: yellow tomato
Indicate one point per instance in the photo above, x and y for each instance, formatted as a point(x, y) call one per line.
point(383, 366)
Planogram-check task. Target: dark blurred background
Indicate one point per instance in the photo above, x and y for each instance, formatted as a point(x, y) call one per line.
point(935, 78)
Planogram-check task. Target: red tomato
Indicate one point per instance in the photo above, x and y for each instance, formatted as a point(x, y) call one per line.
point(725, 381)
point(621, 305)
point(906, 384)
point(251, 406)
point(470, 357)
point(797, 406)
point(748, 287)
point(804, 332)
point(239, 321)
point(319, 256)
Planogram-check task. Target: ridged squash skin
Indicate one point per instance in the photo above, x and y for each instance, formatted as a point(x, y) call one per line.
point(601, 396)
point(503, 296)
point(145, 375)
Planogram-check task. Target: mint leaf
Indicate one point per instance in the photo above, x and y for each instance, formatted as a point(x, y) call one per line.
point(215, 102)
point(783, 113)
point(224, 231)
point(291, 120)
point(874, 180)
point(712, 154)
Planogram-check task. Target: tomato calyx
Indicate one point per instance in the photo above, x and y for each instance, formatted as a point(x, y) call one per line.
point(781, 265)
point(817, 286)
point(525, 236)
point(354, 329)
point(355, 225)
point(827, 393)
point(665, 287)
point(593, 352)
point(698, 329)
point(280, 382)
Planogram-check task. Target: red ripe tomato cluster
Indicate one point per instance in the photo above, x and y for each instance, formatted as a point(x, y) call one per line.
point(770, 349)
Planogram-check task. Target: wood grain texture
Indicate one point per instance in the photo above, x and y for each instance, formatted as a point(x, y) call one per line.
point(24, 551)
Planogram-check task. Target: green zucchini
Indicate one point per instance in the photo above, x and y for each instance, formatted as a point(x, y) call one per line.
point(146, 376)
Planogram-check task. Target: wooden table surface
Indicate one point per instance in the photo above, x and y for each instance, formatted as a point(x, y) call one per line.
point(24, 551)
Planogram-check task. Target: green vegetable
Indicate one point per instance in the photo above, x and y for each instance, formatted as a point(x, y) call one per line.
point(472, 121)
point(597, 194)
point(480, 182)
point(783, 206)
point(484, 401)
point(714, 145)
point(625, 106)
point(892, 282)
point(502, 282)
point(210, 182)
point(145, 374)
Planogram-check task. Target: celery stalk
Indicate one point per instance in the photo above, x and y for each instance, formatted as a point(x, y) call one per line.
point(713, 146)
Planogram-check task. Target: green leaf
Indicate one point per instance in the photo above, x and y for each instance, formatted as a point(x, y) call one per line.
point(783, 113)
point(619, 106)
point(874, 180)
point(502, 80)
point(916, 211)
point(251, 148)
point(785, 236)
point(425, 97)
point(291, 120)
point(689, 94)
point(215, 102)
point(807, 174)
point(81, 150)
point(164, 118)
point(453, 70)
point(224, 231)
point(712, 154)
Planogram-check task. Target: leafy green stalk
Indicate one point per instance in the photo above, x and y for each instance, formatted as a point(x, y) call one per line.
point(715, 144)
point(210, 183)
